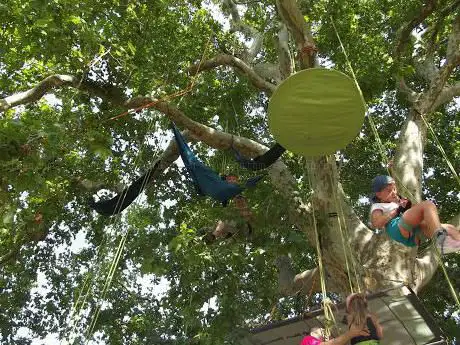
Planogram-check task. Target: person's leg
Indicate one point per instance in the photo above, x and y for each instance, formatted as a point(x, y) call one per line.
point(451, 243)
point(424, 213)
point(452, 231)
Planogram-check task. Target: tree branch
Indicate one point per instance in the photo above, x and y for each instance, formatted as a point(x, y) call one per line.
point(31, 235)
point(291, 283)
point(406, 29)
point(239, 65)
point(402, 40)
point(268, 71)
point(447, 94)
point(238, 25)
point(427, 68)
point(284, 54)
point(453, 44)
point(57, 81)
point(279, 173)
point(430, 99)
point(291, 15)
point(404, 89)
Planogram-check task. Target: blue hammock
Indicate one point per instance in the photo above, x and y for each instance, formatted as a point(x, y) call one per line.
point(206, 180)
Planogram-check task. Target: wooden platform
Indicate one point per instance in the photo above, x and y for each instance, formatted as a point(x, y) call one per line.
point(403, 318)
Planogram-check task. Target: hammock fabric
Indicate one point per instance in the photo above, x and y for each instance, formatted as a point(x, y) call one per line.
point(262, 161)
point(206, 180)
point(125, 198)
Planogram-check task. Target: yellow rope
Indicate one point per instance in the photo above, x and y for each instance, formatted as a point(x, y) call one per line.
point(342, 224)
point(328, 314)
point(452, 169)
point(452, 290)
point(107, 284)
point(446, 275)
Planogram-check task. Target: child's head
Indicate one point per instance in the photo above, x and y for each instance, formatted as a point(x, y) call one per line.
point(384, 188)
point(357, 309)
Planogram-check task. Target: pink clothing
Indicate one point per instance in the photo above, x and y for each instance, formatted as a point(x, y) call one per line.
point(309, 340)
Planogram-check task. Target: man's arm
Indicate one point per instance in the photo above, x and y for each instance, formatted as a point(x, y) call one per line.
point(346, 337)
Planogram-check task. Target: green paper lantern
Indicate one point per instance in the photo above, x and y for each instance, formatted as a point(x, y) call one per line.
point(316, 112)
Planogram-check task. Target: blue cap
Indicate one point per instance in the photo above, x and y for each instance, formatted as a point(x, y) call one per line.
point(381, 181)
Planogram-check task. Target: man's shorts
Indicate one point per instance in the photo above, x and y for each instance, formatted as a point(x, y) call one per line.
point(394, 232)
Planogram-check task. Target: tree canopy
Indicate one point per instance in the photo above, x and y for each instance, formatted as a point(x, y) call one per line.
point(88, 91)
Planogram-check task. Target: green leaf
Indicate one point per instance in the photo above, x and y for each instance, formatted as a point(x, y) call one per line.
point(43, 22)
point(75, 19)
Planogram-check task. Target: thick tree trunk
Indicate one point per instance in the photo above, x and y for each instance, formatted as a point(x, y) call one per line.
point(408, 163)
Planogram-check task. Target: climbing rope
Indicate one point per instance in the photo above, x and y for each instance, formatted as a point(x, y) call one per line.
point(342, 224)
point(326, 301)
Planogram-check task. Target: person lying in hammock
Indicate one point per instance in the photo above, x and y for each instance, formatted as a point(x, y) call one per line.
point(405, 222)
point(241, 203)
point(228, 229)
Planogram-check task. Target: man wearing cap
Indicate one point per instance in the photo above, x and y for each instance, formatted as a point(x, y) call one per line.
point(404, 222)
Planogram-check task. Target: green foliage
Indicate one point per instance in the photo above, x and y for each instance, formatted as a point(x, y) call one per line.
point(51, 148)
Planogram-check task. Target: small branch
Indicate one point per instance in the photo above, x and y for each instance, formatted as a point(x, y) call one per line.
point(438, 93)
point(8, 256)
point(403, 37)
point(37, 235)
point(256, 47)
point(436, 96)
point(239, 65)
point(405, 30)
point(231, 6)
point(434, 30)
point(88, 185)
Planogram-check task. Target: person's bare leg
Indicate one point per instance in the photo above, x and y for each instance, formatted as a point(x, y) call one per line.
point(426, 213)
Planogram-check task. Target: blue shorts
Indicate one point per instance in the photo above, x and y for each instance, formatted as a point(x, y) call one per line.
point(394, 232)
